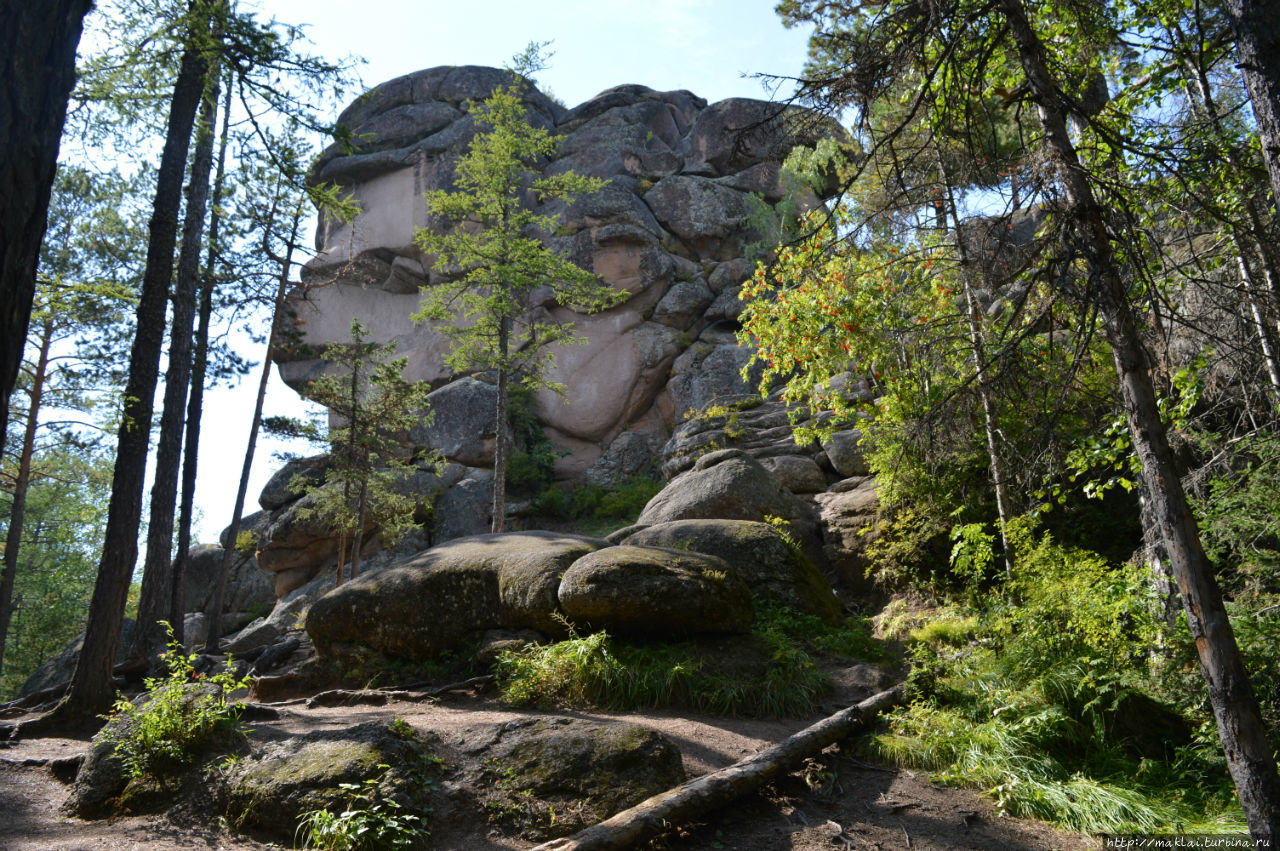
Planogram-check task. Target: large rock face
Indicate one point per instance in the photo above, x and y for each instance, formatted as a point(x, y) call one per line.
point(688, 205)
point(687, 199)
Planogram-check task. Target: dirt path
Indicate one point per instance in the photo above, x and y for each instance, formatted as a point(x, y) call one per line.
point(840, 803)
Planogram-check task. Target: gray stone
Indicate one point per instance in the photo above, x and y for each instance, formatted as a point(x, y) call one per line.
point(273, 788)
point(845, 513)
point(796, 473)
point(710, 373)
point(462, 426)
point(726, 306)
point(650, 591)
point(631, 454)
point(294, 548)
point(466, 508)
point(444, 598)
point(282, 489)
point(845, 454)
point(403, 125)
point(683, 304)
point(738, 133)
point(611, 765)
point(673, 220)
point(730, 275)
point(56, 672)
point(248, 588)
point(735, 488)
point(253, 637)
point(275, 655)
point(495, 642)
point(707, 217)
point(774, 570)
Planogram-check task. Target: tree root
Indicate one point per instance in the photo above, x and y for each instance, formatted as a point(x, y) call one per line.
point(383, 696)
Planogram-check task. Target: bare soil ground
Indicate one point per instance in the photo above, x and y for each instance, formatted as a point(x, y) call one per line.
point(837, 802)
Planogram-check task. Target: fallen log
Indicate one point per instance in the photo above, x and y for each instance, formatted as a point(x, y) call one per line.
point(629, 828)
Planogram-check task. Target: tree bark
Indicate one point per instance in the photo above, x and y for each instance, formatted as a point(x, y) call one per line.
point(1257, 30)
point(499, 521)
point(1235, 707)
point(157, 574)
point(91, 690)
point(37, 70)
point(220, 596)
point(195, 400)
point(13, 536)
point(986, 396)
point(357, 537)
point(630, 828)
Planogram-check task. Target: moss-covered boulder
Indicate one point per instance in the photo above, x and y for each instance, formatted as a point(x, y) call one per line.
point(273, 789)
point(608, 765)
point(652, 591)
point(775, 569)
point(103, 785)
point(445, 598)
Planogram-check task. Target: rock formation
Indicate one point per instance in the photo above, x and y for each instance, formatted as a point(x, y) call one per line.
point(693, 196)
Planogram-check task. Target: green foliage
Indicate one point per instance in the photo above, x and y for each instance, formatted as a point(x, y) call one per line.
point(184, 712)
point(493, 252)
point(776, 675)
point(246, 542)
point(945, 631)
point(369, 820)
point(1239, 522)
point(592, 506)
point(375, 406)
point(1021, 697)
point(908, 549)
point(501, 263)
point(971, 552)
point(66, 514)
point(531, 464)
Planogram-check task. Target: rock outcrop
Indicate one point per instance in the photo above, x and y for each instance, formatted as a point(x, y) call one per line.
point(446, 597)
point(656, 592)
point(772, 567)
point(689, 198)
point(658, 386)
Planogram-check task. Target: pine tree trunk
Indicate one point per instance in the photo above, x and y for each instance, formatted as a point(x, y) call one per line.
point(91, 690)
point(357, 537)
point(37, 70)
point(1240, 727)
point(220, 595)
point(498, 524)
point(986, 396)
point(1257, 30)
point(195, 401)
point(154, 603)
point(13, 537)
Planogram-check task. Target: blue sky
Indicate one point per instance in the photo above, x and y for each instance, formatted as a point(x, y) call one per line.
point(701, 45)
point(705, 46)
